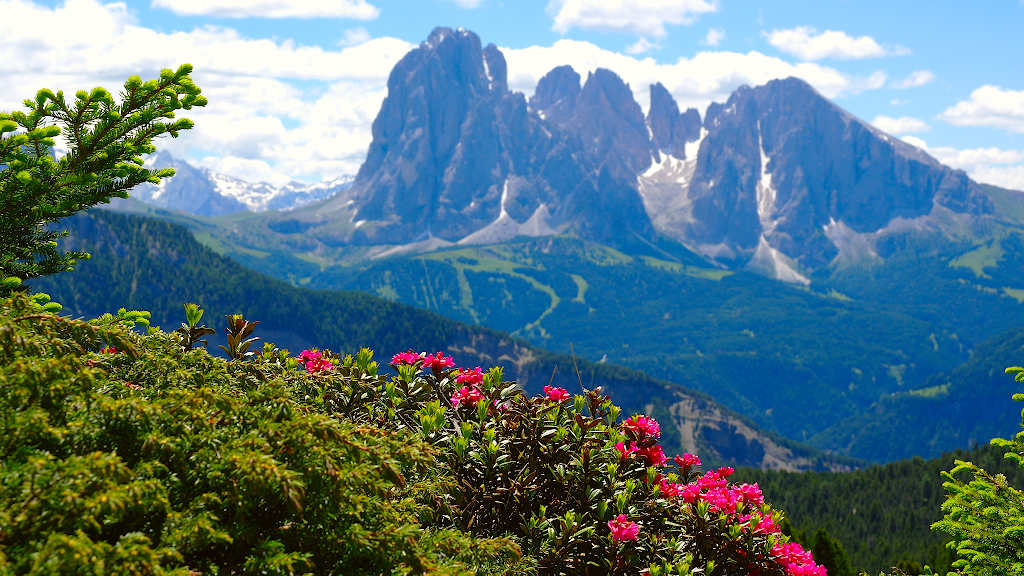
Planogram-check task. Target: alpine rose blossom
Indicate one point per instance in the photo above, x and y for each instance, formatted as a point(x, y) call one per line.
point(409, 358)
point(686, 461)
point(314, 362)
point(624, 450)
point(438, 361)
point(655, 455)
point(109, 350)
point(643, 426)
point(622, 529)
point(468, 395)
point(556, 394)
point(767, 525)
point(472, 377)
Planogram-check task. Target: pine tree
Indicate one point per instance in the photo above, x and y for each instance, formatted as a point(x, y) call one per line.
point(105, 138)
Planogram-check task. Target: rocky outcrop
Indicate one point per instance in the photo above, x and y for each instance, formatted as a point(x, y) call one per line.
point(670, 130)
point(458, 157)
point(781, 164)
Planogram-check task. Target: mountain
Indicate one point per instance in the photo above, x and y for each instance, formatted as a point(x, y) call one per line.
point(656, 241)
point(787, 182)
point(203, 192)
point(142, 263)
point(778, 179)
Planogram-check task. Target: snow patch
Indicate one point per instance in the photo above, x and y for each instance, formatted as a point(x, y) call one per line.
point(692, 148)
point(766, 194)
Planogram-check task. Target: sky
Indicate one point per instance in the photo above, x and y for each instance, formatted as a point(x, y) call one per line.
point(294, 85)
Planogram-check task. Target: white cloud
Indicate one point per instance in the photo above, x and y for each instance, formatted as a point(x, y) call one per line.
point(696, 82)
point(468, 3)
point(262, 107)
point(915, 79)
point(1003, 168)
point(806, 43)
point(357, 9)
point(244, 169)
point(714, 37)
point(901, 125)
point(989, 106)
point(640, 46)
point(640, 17)
point(898, 102)
point(354, 37)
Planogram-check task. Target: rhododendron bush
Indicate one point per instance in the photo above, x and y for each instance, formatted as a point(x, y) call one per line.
point(279, 464)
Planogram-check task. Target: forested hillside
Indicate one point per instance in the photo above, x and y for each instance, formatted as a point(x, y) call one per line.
point(882, 514)
point(157, 266)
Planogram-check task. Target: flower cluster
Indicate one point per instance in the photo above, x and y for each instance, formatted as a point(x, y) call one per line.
point(470, 392)
point(410, 358)
point(438, 361)
point(622, 529)
point(654, 454)
point(108, 350)
point(797, 561)
point(314, 362)
point(556, 394)
point(643, 426)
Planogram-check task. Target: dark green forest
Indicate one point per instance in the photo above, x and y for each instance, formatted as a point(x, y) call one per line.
point(881, 514)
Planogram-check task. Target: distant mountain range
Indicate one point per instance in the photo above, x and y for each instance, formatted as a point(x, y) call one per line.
point(203, 192)
point(778, 179)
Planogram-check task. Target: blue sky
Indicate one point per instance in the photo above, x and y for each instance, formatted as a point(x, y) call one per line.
point(294, 84)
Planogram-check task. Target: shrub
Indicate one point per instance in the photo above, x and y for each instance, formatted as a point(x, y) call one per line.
point(141, 454)
point(126, 454)
point(985, 516)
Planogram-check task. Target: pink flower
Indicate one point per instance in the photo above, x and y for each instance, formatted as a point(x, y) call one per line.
point(710, 481)
point(622, 529)
point(767, 525)
point(751, 493)
point(319, 365)
point(791, 553)
point(473, 377)
point(655, 455)
point(690, 493)
point(725, 471)
point(624, 450)
point(467, 395)
point(670, 490)
point(110, 350)
point(410, 358)
point(438, 361)
point(556, 394)
point(643, 426)
point(806, 570)
point(722, 500)
point(686, 461)
point(314, 361)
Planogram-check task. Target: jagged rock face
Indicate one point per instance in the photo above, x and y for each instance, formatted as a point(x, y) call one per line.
point(670, 130)
point(457, 156)
point(780, 163)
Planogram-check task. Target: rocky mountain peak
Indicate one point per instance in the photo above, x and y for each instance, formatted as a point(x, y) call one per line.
point(786, 176)
point(670, 130)
point(556, 94)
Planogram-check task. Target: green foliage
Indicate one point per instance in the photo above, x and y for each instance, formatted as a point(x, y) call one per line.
point(125, 454)
point(191, 332)
point(106, 140)
point(238, 331)
point(985, 516)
